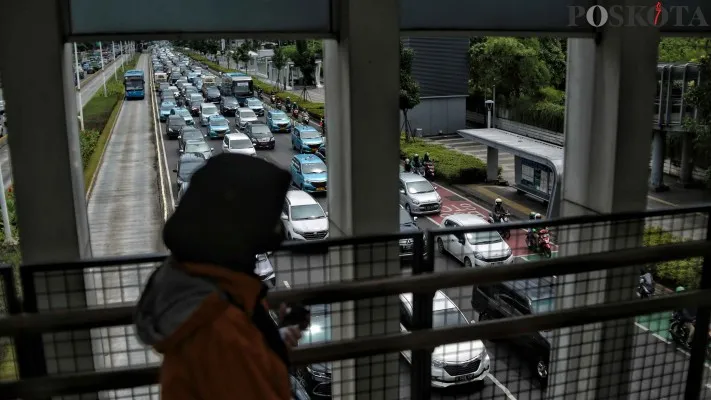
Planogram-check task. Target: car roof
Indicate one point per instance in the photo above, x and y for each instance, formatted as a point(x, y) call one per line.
point(207, 104)
point(277, 112)
point(195, 141)
point(299, 198)
point(236, 136)
point(440, 301)
point(534, 288)
point(467, 219)
point(408, 177)
point(192, 157)
point(216, 117)
point(175, 117)
point(245, 109)
point(308, 159)
point(306, 128)
point(229, 98)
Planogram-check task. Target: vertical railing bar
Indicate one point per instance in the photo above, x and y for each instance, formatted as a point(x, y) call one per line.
point(697, 358)
point(421, 371)
point(12, 298)
point(29, 348)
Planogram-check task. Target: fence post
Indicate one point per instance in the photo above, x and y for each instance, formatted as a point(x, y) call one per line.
point(694, 378)
point(421, 370)
point(31, 359)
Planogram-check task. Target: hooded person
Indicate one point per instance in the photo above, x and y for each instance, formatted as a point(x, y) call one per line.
point(204, 308)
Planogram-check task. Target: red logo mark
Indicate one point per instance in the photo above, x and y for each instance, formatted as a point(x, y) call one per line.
point(658, 8)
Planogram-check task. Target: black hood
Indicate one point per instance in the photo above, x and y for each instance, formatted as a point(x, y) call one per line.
point(243, 209)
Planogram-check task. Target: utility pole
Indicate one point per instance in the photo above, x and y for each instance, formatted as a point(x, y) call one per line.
point(103, 75)
point(113, 51)
point(123, 53)
point(9, 240)
point(79, 102)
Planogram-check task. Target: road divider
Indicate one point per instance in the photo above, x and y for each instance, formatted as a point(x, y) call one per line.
point(162, 159)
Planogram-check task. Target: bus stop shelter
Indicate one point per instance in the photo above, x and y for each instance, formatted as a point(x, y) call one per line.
point(538, 165)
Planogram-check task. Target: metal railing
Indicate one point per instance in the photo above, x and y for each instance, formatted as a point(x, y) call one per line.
point(573, 310)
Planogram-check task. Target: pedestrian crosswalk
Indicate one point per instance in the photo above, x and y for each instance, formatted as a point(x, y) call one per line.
point(466, 146)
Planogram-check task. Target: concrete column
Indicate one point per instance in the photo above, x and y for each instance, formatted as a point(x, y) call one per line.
point(363, 73)
point(318, 73)
point(290, 71)
point(47, 168)
point(656, 178)
point(492, 164)
point(687, 163)
point(607, 148)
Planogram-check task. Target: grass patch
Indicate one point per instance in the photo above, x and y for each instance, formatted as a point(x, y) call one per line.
point(316, 110)
point(685, 272)
point(8, 361)
point(451, 166)
point(102, 139)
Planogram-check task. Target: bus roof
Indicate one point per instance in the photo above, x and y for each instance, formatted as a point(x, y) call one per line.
point(235, 74)
point(134, 72)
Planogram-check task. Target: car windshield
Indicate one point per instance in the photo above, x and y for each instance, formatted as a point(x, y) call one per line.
point(195, 97)
point(213, 91)
point(247, 114)
point(310, 135)
point(218, 122)
point(308, 211)
point(176, 120)
point(450, 317)
point(420, 187)
point(199, 147)
point(405, 217)
point(254, 102)
point(187, 169)
point(313, 168)
point(260, 130)
point(192, 134)
point(229, 100)
point(167, 107)
point(279, 117)
point(209, 110)
point(487, 237)
point(320, 328)
point(183, 113)
point(238, 144)
point(543, 305)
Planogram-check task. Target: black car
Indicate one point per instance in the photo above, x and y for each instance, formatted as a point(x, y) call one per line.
point(321, 152)
point(228, 105)
point(260, 135)
point(174, 76)
point(408, 225)
point(173, 126)
point(317, 377)
point(516, 298)
point(188, 163)
point(188, 133)
point(212, 94)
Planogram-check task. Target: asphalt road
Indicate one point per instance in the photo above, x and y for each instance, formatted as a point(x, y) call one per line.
point(87, 92)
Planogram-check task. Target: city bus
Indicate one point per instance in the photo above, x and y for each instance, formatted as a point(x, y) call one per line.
point(239, 85)
point(134, 83)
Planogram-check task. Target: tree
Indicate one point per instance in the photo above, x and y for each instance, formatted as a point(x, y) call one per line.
point(700, 97)
point(241, 55)
point(279, 61)
point(409, 88)
point(305, 60)
point(683, 49)
point(211, 46)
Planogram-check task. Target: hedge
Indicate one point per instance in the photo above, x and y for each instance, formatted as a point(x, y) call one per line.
point(316, 110)
point(451, 166)
point(685, 272)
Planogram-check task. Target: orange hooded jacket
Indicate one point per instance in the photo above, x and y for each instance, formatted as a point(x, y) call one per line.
point(213, 348)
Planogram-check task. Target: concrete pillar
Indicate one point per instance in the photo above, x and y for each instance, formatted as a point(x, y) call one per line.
point(48, 177)
point(687, 162)
point(492, 164)
point(656, 177)
point(363, 73)
point(290, 71)
point(608, 138)
point(317, 77)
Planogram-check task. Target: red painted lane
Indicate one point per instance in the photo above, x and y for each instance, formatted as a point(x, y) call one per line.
point(453, 203)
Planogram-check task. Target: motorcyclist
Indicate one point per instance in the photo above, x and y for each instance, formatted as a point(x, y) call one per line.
point(499, 210)
point(688, 317)
point(534, 231)
point(646, 280)
point(416, 162)
point(426, 158)
point(408, 165)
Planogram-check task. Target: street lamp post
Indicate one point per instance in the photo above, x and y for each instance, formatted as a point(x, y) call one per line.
point(79, 102)
point(113, 51)
point(103, 75)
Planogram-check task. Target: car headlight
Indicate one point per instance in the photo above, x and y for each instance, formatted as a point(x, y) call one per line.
point(478, 256)
point(415, 201)
point(439, 199)
point(254, 140)
point(438, 363)
point(271, 139)
point(298, 232)
point(507, 253)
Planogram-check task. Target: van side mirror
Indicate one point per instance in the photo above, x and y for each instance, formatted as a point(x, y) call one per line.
point(402, 191)
point(414, 218)
point(284, 217)
point(327, 213)
point(460, 240)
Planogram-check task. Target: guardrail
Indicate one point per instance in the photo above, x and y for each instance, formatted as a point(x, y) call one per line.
point(588, 293)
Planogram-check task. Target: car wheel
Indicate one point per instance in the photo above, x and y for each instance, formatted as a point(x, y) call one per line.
point(467, 262)
point(440, 245)
point(542, 371)
point(408, 209)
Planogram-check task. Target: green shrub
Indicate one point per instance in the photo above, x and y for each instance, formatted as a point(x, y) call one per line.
point(685, 272)
point(452, 166)
point(88, 139)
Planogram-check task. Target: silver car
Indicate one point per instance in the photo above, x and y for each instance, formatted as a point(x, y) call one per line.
point(245, 116)
point(264, 269)
point(418, 196)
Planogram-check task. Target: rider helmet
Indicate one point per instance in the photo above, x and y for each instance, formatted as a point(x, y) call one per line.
point(417, 155)
point(532, 215)
point(538, 216)
point(498, 201)
point(679, 289)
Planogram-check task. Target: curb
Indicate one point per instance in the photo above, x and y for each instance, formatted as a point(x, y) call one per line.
point(481, 199)
point(92, 183)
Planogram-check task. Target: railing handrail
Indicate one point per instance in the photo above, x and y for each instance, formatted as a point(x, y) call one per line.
point(55, 321)
point(367, 346)
point(320, 245)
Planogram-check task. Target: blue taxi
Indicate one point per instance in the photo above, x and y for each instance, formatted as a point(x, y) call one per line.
point(306, 139)
point(278, 121)
point(217, 126)
point(308, 173)
point(165, 108)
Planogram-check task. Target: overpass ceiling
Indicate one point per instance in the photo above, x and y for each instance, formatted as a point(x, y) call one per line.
point(170, 19)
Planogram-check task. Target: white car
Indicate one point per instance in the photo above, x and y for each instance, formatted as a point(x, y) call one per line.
point(303, 217)
point(207, 110)
point(245, 116)
point(238, 143)
point(474, 249)
point(452, 364)
point(174, 90)
point(418, 196)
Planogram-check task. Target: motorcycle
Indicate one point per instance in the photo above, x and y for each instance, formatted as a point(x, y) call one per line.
point(279, 105)
point(323, 125)
point(679, 333)
point(429, 170)
point(645, 289)
point(305, 117)
point(272, 99)
point(503, 218)
point(543, 245)
point(295, 113)
point(288, 107)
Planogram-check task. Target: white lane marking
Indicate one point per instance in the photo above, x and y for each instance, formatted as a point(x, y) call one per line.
point(159, 145)
point(501, 386)
point(286, 283)
point(646, 329)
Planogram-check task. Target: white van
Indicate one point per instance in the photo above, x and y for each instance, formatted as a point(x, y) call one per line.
point(209, 80)
point(207, 110)
point(158, 78)
point(303, 217)
point(238, 143)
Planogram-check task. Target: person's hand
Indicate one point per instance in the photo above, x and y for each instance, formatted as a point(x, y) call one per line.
point(290, 335)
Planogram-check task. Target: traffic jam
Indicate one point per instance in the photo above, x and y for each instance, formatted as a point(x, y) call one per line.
point(201, 113)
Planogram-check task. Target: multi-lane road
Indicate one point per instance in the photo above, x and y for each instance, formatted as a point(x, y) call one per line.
point(88, 89)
